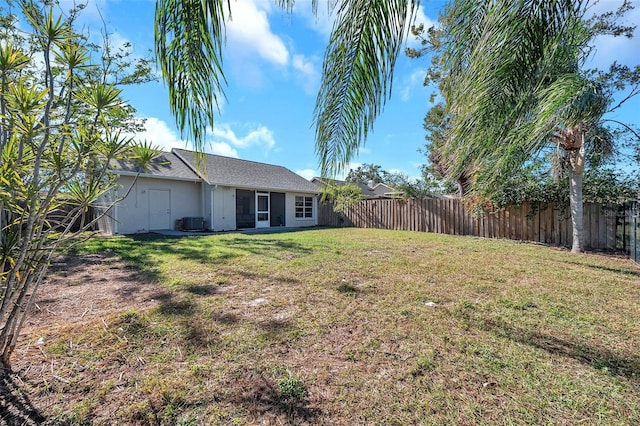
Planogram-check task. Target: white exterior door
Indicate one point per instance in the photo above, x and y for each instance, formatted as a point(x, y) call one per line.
point(262, 210)
point(159, 209)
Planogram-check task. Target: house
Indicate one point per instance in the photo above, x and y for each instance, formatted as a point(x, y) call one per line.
point(212, 192)
point(369, 191)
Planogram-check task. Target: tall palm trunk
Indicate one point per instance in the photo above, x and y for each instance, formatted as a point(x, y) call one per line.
point(575, 199)
point(574, 145)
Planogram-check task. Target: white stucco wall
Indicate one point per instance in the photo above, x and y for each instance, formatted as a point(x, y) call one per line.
point(207, 195)
point(132, 214)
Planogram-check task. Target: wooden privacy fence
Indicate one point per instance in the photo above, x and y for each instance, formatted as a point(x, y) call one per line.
point(546, 224)
point(629, 229)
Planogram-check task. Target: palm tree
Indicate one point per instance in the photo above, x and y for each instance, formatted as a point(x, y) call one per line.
point(365, 42)
point(513, 84)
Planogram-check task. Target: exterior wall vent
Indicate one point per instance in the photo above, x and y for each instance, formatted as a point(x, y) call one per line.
point(193, 223)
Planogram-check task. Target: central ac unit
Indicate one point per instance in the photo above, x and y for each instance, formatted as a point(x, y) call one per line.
point(192, 223)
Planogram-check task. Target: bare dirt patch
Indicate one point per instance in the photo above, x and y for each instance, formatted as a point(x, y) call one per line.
point(83, 289)
point(80, 290)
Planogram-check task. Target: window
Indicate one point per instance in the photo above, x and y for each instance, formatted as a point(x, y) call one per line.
point(304, 207)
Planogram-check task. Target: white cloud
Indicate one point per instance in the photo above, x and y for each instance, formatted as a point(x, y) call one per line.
point(222, 140)
point(308, 174)
point(411, 83)
point(397, 171)
point(159, 134)
point(117, 41)
point(265, 5)
point(309, 74)
point(260, 136)
point(420, 18)
point(251, 43)
point(322, 22)
point(249, 32)
point(222, 148)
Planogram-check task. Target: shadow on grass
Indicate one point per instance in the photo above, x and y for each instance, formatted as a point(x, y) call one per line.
point(276, 331)
point(275, 326)
point(623, 271)
point(348, 289)
point(74, 264)
point(201, 290)
point(15, 407)
point(134, 250)
point(629, 271)
point(173, 307)
point(268, 246)
point(226, 318)
point(597, 357)
point(261, 397)
point(255, 276)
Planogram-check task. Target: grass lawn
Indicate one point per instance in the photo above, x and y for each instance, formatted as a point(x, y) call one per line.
point(354, 326)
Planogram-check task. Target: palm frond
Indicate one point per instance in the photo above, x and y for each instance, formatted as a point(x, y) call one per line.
point(357, 75)
point(189, 38)
point(513, 77)
point(289, 5)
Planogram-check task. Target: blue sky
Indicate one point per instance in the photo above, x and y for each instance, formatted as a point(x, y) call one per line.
point(273, 63)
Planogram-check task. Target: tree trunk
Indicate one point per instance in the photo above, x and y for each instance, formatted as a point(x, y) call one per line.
point(575, 199)
point(576, 168)
point(5, 357)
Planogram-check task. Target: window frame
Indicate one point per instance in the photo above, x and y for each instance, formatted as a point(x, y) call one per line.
point(304, 207)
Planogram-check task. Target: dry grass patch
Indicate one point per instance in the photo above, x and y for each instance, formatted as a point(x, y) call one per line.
point(346, 326)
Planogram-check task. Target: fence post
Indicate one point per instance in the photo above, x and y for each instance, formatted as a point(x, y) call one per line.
point(634, 242)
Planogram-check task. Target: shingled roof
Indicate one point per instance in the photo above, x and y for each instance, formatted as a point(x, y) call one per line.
point(166, 165)
point(227, 171)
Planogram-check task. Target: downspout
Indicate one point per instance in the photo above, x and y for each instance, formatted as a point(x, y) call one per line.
point(115, 219)
point(213, 188)
point(203, 198)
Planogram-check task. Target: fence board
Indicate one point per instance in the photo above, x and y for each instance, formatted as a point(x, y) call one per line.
point(536, 227)
point(612, 230)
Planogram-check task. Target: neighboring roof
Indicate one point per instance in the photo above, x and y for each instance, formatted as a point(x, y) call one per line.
point(166, 165)
point(379, 190)
point(226, 171)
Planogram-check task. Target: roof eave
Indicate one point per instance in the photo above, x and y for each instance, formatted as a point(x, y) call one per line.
point(145, 175)
point(195, 170)
point(265, 189)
